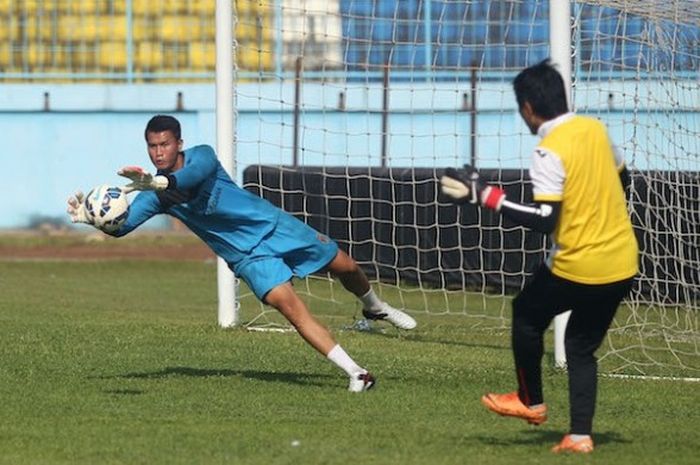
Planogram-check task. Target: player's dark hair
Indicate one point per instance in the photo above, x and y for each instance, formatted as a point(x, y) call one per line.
point(160, 123)
point(542, 86)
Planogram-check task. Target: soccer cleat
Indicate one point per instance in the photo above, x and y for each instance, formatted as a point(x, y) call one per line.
point(510, 405)
point(362, 382)
point(388, 313)
point(584, 446)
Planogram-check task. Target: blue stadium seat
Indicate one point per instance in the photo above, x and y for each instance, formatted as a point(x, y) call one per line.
point(382, 30)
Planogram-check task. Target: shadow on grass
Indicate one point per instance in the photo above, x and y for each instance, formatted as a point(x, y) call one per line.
point(305, 379)
point(540, 436)
point(429, 339)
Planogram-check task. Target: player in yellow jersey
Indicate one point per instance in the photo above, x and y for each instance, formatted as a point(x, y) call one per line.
point(578, 182)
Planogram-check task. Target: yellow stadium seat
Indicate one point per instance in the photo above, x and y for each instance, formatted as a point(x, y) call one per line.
point(85, 7)
point(202, 55)
point(117, 7)
point(244, 7)
point(207, 29)
point(203, 8)
point(175, 56)
point(9, 29)
point(112, 28)
point(7, 6)
point(112, 56)
point(149, 55)
point(179, 28)
point(5, 55)
point(146, 7)
point(36, 55)
point(247, 32)
point(78, 28)
point(39, 27)
point(174, 6)
point(158, 7)
point(252, 59)
point(143, 29)
point(81, 57)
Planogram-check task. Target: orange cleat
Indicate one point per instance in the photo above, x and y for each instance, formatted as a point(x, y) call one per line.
point(510, 405)
point(584, 446)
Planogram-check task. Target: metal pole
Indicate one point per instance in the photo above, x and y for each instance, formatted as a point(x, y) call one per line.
point(560, 53)
point(297, 104)
point(385, 115)
point(225, 145)
point(129, 41)
point(472, 129)
point(427, 37)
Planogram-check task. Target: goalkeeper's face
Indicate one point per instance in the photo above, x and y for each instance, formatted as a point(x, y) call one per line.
point(164, 150)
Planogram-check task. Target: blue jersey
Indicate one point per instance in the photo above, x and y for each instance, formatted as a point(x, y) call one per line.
point(230, 220)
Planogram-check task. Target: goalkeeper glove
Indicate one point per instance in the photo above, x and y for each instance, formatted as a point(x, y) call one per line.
point(143, 180)
point(76, 209)
point(464, 185)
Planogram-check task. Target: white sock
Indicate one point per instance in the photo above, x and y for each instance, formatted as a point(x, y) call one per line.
point(579, 437)
point(338, 356)
point(370, 300)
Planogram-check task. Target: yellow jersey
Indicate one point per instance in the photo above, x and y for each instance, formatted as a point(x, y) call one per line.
point(576, 164)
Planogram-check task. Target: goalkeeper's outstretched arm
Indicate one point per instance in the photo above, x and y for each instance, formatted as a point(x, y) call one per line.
point(464, 186)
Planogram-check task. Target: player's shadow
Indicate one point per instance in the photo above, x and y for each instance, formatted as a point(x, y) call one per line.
point(540, 436)
point(424, 338)
point(305, 379)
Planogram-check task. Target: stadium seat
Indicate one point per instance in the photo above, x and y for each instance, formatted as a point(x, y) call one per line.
point(7, 7)
point(39, 27)
point(247, 31)
point(203, 7)
point(143, 29)
point(81, 57)
point(112, 56)
point(202, 55)
point(149, 55)
point(5, 55)
point(9, 29)
point(85, 7)
point(112, 28)
point(73, 28)
point(146, 8)
point(179, 28)
point(253, 59)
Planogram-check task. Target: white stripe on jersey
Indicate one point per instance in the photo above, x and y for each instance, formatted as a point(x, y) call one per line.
point(547, 173)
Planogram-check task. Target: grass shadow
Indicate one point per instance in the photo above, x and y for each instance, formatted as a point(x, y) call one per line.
point(543, 436)
point(304, 379)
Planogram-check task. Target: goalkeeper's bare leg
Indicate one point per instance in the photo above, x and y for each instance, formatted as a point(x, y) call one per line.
point(354, 280)
point(287, 301)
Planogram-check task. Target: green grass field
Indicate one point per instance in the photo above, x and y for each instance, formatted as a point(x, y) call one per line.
point(121, 362)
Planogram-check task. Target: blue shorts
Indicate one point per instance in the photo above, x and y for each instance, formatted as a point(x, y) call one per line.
point(291, 249)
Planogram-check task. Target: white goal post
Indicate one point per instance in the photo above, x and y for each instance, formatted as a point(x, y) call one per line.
point(347, 111)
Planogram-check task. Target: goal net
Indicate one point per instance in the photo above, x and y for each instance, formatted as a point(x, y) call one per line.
point(349, 110)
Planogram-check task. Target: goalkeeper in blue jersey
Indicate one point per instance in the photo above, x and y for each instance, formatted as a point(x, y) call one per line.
point(578, 181)
point(262, 244)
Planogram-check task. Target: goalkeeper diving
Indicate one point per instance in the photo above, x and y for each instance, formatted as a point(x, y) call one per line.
point(262, 244)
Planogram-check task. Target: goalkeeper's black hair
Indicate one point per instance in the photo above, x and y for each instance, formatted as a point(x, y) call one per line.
point(160, 123)
point(542, 86)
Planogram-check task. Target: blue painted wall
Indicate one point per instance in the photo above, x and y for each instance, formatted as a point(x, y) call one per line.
point(90, 131)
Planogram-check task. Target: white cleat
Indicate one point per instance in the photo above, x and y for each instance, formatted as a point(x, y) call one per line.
point(388, 313)
point(361, 383)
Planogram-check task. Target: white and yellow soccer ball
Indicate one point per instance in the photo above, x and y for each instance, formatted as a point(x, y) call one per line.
point(107, 207)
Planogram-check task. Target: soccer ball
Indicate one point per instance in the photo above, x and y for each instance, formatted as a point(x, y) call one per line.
point(107, 207)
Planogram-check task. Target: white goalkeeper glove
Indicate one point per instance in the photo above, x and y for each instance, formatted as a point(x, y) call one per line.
point(463, 186)
point(142, 180)
point(76, 209)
